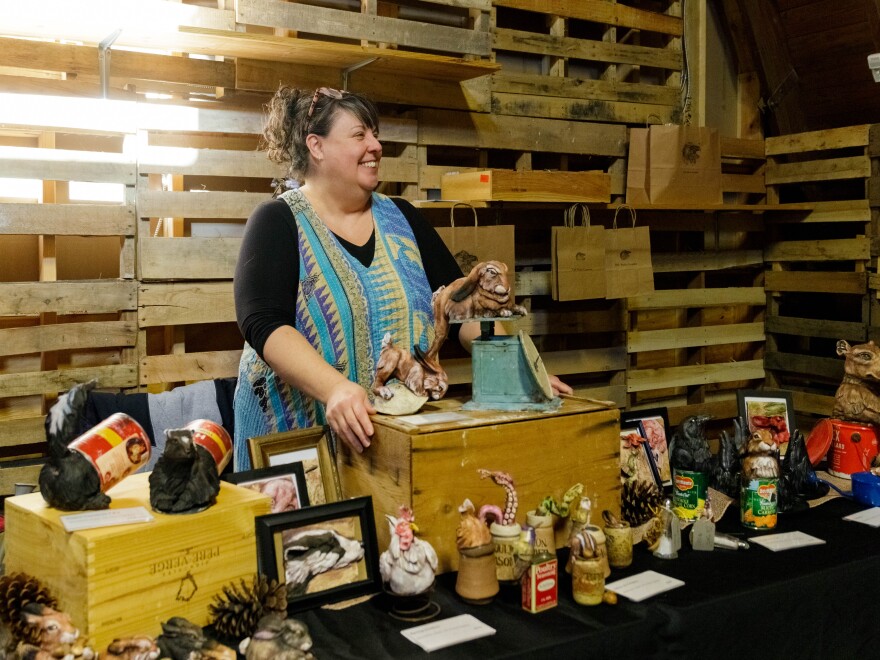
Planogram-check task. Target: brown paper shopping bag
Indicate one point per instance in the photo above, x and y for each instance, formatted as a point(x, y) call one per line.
point(628, 259)
point(637, 167)
point(472, 244)
point(684, 165)
point(577, 257)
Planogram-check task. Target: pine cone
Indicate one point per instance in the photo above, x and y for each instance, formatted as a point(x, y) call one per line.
point(16, 591)
point(236, 612)
point(639, 501)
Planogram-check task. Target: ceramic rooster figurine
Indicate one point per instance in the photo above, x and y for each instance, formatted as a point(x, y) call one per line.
point(68, 481)
point(409, 563)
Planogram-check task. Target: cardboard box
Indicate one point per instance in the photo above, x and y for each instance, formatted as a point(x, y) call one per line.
point(127, 579)
point(432, 467)
point(527, 186)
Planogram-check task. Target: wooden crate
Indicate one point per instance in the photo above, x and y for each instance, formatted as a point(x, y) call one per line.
point(433, 468)
point(125, 580)
point(531, 186)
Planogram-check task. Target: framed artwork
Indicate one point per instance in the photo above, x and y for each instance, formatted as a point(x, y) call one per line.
point(323, 553)
point(311, 447)
point(653, 425)
point(285, 484)
point(635, 463)
point(771, 410)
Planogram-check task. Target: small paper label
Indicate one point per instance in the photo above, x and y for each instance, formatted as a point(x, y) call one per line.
point(447, 632)
point(870, 517)
point(644, 585)
point(484, 178)
point(786, 541)
point(106, 518)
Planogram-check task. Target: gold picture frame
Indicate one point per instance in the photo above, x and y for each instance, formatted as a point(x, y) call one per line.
point(311, 447)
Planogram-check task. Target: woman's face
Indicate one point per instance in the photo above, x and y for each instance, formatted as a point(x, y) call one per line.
point(351, 152)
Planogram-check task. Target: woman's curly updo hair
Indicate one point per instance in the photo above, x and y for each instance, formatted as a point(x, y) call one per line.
point(288, 123)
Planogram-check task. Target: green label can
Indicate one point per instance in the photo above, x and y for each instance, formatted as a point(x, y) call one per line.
point(758, 503)
point(689, 493)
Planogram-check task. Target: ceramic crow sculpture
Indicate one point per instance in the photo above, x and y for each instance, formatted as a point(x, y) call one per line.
point(689, 449)
point(278, 638)
point(185, 478)
point(726, 476)
point(68, 480)
point(797, 480)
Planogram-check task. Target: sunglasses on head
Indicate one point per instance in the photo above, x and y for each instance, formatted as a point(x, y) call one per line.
point(329, 92)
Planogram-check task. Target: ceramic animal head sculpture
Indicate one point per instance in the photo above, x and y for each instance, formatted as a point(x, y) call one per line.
point(858, 397)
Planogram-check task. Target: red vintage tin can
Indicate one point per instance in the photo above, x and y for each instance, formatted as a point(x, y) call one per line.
point(852, 446)
point(116, 447)
point(214, 438)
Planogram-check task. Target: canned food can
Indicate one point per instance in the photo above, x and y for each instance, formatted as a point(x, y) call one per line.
point(758, 504)
point(116, 448)
point(214, 439)
point(689, 490)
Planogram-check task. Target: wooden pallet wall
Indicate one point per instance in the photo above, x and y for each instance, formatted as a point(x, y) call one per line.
point(818, 260)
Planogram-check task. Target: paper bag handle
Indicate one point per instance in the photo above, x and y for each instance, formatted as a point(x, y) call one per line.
point(632, 215)
point(571, 215)
point(466, 205)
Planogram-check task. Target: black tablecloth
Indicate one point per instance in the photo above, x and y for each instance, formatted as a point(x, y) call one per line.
point(814, 602)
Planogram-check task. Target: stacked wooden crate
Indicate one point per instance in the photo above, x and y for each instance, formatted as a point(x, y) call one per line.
point(817, 259)
point(68, 294)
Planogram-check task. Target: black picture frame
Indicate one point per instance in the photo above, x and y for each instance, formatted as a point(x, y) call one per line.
point(280, 556)
point(767, 403)
point(648, 421)
point(293, 473)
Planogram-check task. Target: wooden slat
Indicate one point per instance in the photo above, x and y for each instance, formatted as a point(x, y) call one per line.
point(855, 210)
point(166, 204)
point(718, 409)
point(815, 281)
point(744, 183)
point(834, 138)
point(481, 131)
point(641, 380)
point(188, 258)
point(182, 304)
point(742, 148)
point(206, 162)
point(61, 380)
point(790, 325)
point(25, 431)
point(816, 404)
point(67, 336)
point(804, 365)
point(681, 262)
point(189, 367)
point(19, 472)
point(716, 297)
point(520, 41)
point(532, 283)
point(351, 25)
point(543, 322)
point(524, 105)
point(527, 186)
point(578, 88)
point(67, 219)
point(841, 249)
point(599, 11)
point(831, 169)
point(657, 340)
point(66, 165)
point(78, 297)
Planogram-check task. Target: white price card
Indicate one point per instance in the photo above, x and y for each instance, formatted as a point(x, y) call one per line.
point(869, 517)
point(786, 541)
point(106, 518)
point(447, 632)
point(643, 585)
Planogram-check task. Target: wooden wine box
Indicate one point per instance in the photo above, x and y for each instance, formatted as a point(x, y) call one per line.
point(526, 186)
point(128, 579)
point(430, 461)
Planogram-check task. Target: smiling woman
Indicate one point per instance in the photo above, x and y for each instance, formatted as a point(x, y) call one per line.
point(326, 270)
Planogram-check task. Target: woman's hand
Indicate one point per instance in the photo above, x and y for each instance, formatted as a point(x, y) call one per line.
point(348, 413)
point(559, 387)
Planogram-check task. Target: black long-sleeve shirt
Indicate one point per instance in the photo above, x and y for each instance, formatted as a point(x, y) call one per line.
point(267, 273)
